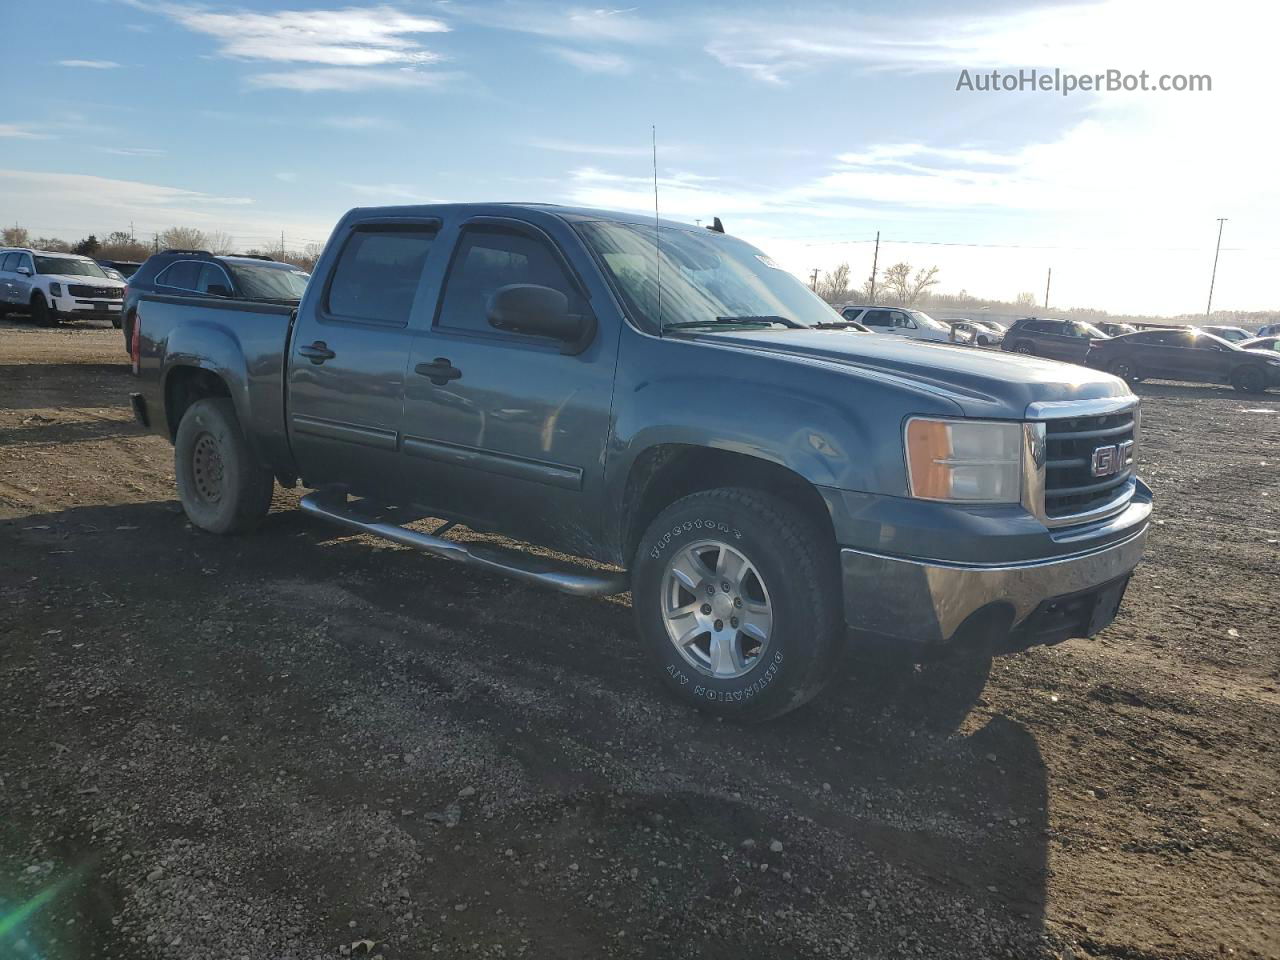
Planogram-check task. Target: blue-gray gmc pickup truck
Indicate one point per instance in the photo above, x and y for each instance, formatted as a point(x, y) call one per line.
point(667, 405)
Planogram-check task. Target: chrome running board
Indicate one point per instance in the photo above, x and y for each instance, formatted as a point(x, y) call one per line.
point(558, 575)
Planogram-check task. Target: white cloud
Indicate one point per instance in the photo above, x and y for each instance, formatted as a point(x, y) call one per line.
point(286, 176)
point(390, 193)
point(596, 149)
point(90, 64)
point(15, 131)
point(134, 151)
point(80, 204)
point(345, 79)
point(351, 37)
point(589, 61)
point(588, 24)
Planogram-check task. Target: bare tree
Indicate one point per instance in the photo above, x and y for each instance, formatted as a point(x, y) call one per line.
point(182, 238)
point(920, 284)
point(1025, 300)
point(119, 245)
point(52, 244)
point(897, 283)
point(834, 285)
point(906, 289)
point(218, 242)
point(15, 236)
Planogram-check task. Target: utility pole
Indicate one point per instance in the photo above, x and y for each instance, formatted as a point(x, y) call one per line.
point(813, 280)
point(1214, 276)
point(1048, 280)
point(281, 244)
point(875, 262)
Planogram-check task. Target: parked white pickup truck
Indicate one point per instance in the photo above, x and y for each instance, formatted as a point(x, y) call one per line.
point(51, 286)
point(899, 320)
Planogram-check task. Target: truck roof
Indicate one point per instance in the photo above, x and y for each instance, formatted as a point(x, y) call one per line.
point(572, 214)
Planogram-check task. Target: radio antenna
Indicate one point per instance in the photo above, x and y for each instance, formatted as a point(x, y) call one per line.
point(657, 238)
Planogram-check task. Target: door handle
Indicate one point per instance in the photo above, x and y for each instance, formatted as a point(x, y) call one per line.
point(317, 352)
point(439, 371)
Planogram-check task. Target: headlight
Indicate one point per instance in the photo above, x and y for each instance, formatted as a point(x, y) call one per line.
point(965, 461)
point(55, 289)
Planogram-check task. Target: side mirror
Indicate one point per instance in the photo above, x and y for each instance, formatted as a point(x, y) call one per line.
point(24, 271)
point(218, 290)
point(541, 312)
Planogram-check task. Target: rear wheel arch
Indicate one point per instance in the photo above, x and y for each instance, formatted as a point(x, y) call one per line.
point(185, 385)
point(665, 473)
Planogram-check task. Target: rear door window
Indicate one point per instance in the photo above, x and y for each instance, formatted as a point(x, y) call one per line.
point(377, 274)
point(488, 258)
point(9, 263)
point(877, 318)
point(212, 275)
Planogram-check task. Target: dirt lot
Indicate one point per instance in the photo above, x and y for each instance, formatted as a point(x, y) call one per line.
point(283, 745)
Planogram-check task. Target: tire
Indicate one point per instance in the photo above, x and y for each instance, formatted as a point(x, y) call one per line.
point(1025, 347)
point(984, 342)
point(1249, 379)
point(41, 315)
point(1125, 370)
point(788, 584)
point(117, 322)
point(222, 486)
point(127, 322)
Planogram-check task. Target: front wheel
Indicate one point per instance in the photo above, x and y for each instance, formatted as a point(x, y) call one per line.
point(1249, 380)
point(41, 315)
point(222, 486)
point(737, 596)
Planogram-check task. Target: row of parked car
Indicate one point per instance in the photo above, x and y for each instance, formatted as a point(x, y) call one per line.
point(54, 286)
point(1209, 354)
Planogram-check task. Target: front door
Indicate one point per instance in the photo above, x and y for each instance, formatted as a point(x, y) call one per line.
point(348, 354)
point(502, 429)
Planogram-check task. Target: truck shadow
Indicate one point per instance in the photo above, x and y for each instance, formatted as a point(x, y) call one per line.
point(898, 794)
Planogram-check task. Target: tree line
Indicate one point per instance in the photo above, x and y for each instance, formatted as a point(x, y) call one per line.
point(898, 286)
point(122, 245)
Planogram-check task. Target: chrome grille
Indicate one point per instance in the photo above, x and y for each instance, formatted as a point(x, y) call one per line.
point(98, 293)
point(1073, 445)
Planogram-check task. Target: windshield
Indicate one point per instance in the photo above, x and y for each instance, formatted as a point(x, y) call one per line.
point(707, 278)
point(1230, 333)
point(69, 267)
point(270, 283)
point(927, 321)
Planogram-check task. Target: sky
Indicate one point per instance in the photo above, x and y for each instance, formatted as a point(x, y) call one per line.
point(806, 127)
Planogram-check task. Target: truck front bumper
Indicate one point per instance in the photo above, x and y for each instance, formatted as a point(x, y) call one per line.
point(929, 602)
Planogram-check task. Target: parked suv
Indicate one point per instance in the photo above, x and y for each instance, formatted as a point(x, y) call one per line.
point(51, 286)
point(899, 320)
point(1192, 356)
point(199, 273)
point(1049, 337)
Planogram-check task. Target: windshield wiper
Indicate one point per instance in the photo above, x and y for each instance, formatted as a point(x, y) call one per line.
point(834, 325)
point(744, 321)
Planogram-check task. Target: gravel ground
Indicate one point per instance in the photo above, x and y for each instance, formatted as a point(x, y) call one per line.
point(306, 744)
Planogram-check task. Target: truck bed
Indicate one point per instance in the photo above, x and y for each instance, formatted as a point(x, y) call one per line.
point(245, 342)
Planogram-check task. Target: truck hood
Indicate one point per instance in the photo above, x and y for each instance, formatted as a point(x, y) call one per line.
point(981, 383)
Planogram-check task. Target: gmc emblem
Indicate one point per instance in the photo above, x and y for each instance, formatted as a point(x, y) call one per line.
point(1111, 459)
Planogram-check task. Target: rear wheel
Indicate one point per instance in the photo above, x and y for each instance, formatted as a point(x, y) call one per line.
point(1249, 380)
point(41, 315)
point(1025, 347)
point(737, 596)
point(222, 486)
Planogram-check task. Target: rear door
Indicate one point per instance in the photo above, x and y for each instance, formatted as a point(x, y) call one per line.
point(880, 321)
point(348, 354)
point(1201, 359)
point(503, 429)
